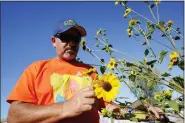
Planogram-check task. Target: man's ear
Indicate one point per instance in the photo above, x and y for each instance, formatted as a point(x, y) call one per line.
point(53, 40)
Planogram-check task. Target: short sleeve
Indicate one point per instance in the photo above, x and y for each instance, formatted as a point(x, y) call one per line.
point(24, 89)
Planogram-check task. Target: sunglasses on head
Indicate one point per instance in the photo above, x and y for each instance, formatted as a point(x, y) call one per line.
point(66, 37)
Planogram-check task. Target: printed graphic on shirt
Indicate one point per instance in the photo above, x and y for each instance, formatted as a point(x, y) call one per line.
point(65, 86)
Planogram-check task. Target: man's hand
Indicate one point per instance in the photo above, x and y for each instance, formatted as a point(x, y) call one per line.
point(112, 107)
point(82, 101)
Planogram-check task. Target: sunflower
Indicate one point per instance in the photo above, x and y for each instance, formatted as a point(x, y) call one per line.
point(106, 86)
point(174, 57)
point(112, 63)
point(127, 11)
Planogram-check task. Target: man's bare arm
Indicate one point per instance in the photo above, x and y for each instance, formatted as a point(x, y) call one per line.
point(21, 112)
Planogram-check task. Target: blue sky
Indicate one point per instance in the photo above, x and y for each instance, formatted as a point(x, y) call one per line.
point(26, 28)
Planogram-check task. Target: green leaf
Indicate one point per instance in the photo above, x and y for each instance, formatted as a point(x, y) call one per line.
point(161, 26)
point(177, 37)
point(122, 78)
point(146, 52)
point(163, 53)
point(122, 98)
point(179, 80)
point(177, 29)
point(102, 60)
point(136, 34)
point(144, 43)
point(163, 35)
point(104, 48)
point(165, 74)
point(181, 65)
point(128, 64)
point(132, 78)
point(151, 62)
point(97, 45)
point(152, 6)
point(102, 69)
point(110, 45)
point(173, 104)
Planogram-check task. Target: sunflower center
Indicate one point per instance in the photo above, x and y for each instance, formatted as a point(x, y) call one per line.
point(106, 86)
point(111, 64)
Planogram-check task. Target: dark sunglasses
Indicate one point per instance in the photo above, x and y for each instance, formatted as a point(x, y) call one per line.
point(66, 37)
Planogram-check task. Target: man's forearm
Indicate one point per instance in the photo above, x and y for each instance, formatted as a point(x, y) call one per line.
point(20, 112)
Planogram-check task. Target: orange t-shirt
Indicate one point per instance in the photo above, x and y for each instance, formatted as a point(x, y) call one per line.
point(52, 81)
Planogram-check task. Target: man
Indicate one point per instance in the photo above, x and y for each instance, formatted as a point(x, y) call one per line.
point(47, 91)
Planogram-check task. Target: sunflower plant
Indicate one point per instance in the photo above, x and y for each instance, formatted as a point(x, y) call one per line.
point(141, 76)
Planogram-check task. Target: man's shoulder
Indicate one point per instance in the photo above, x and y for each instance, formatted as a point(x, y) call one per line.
point(40, 63)
point(85, 65)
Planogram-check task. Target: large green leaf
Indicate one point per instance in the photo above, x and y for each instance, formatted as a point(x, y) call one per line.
point(179, 80)
point(173, 104)
point(163, 53)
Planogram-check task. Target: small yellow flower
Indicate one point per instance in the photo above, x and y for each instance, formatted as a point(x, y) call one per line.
point(133, 22)
point(111, 64)
point(83, 42)
point(170, 22)
point(107, 86)
point(103, 112)
point(127, 11)
point(174, 57)
point(157, 96)
point(89, 71)
point(157, 2)
point(116, 3)
point(129, 31)
point(168, 93)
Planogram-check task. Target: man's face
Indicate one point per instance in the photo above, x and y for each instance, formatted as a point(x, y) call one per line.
point(67, 44)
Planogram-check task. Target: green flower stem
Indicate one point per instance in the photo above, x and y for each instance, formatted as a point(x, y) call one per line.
point(132, 90)
point(162, 44)
point(94, 55)
point(152, 12)
point(171, 41)
point(147, 42)
point(135, 60)
point(157, 13)
point(142, 16)
point(173, 44)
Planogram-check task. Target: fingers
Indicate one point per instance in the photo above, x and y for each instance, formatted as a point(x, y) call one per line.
point(87, 107)
point(89, 101)
point(152, 109)
point(90, 88)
